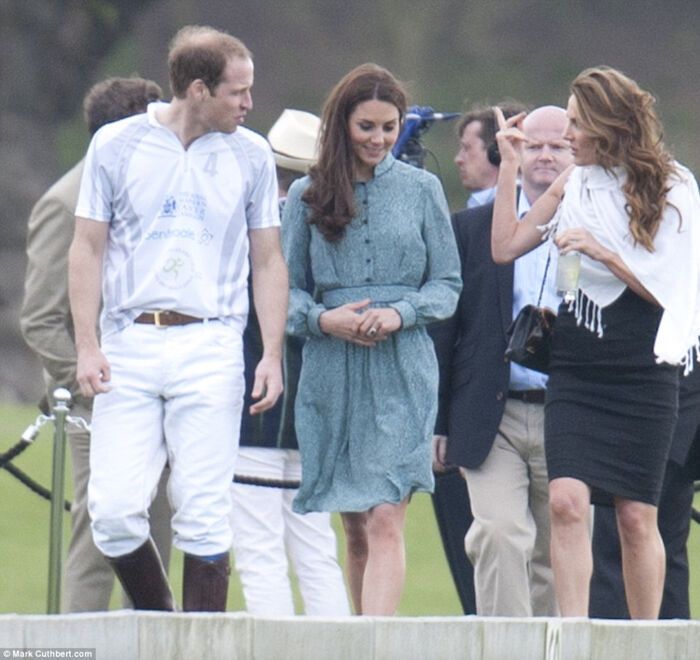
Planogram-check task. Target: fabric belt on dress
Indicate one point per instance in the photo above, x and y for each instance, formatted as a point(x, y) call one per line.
point(379, 294)
point(527, 396)
point(165, 318)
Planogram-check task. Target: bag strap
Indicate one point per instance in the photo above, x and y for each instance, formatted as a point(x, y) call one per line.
point(546, 268)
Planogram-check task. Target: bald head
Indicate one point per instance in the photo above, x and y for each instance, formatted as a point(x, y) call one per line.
point(546, 154)
point(548, 117)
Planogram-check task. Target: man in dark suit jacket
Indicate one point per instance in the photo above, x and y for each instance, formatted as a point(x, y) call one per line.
point(491, 412)
point(607, 599)
point(477, 162)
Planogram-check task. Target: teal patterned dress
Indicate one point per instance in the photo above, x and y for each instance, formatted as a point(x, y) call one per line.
point(364, 416)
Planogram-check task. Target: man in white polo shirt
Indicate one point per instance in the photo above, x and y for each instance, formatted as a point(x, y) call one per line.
point(172, 205)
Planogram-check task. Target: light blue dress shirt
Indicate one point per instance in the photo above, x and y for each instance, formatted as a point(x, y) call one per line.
point(481, 197)
point(528, 272)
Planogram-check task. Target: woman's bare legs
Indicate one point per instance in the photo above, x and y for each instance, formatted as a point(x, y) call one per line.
point(643, 557)
point(355, 526)
point(572, 560)
point(376, 562)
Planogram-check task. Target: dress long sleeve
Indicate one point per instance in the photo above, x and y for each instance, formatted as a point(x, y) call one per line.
point(303, 312)
point(437, 297)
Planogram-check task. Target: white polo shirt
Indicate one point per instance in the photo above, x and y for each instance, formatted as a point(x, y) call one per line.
point(179, 219)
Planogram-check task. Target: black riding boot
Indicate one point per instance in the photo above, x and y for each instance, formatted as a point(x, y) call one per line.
point(205, 583)
point(143, 578)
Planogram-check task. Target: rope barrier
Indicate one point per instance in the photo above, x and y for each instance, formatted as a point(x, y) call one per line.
point(269, 483)
point(33, 485)
point(29, 435)
point(13, 452)
point(25, 440)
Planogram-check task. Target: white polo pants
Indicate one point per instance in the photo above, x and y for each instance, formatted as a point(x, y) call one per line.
point(266, 530)
point(176, 394)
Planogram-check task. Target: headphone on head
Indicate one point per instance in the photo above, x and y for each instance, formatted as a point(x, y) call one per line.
point(493, 154)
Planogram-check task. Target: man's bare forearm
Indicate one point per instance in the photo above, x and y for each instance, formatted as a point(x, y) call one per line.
point(270, 289)
point(85, 280)
point(271, 297)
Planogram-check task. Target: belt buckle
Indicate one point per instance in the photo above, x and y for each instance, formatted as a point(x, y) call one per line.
point(156, 319)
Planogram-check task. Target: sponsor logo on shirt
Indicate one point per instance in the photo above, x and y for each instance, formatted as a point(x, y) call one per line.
point(185, 205)
point(205, 237)
point(169, 207)
point(177, 269)
point(164, 234)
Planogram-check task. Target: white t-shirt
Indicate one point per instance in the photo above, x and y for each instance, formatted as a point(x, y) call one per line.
point(179, 219)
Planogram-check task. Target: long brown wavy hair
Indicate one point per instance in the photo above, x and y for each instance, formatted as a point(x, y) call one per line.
point(330, 194)
point(620, 118)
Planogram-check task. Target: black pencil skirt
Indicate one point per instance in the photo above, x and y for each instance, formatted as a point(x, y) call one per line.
point(610, 408)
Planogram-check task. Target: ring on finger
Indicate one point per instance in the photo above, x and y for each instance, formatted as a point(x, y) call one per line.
point(371, 332)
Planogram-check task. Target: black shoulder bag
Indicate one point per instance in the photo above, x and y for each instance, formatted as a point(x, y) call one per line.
point(529, 335)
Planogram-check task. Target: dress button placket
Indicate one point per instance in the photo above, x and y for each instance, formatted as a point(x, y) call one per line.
point(365, 224)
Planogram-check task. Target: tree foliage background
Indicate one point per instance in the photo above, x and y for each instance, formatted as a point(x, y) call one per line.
point(452, 53)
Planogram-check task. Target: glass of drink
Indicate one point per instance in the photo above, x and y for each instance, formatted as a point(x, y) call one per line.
point(568, 269)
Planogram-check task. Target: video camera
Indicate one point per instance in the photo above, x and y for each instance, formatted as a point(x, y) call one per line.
point(419, 119)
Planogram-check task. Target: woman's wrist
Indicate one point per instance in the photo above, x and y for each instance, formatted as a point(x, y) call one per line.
point(313, 320)
point(322, 322)
point(508, 175)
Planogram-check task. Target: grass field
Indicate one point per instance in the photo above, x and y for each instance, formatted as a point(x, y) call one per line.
point(24, 531)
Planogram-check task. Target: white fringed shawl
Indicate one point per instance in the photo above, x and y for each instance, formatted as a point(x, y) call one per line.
point(593, 199)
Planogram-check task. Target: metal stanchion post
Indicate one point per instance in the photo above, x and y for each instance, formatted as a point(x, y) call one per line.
point(60, 410)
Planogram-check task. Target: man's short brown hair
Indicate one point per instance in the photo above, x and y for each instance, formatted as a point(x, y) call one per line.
point(116, 98)
point(201, 53)
point(484, 114)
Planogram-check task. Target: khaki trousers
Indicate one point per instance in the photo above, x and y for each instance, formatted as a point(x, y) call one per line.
point(508, 542)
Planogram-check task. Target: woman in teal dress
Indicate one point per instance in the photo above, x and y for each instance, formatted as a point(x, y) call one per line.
point(373, 236)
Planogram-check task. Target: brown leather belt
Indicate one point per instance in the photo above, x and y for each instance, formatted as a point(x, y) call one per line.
point(165, 318)
point(527, 396)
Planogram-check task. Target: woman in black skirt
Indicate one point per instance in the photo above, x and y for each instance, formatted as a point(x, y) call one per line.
point(634, 216)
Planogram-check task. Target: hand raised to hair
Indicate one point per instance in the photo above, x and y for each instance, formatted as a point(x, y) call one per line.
point(510, 136)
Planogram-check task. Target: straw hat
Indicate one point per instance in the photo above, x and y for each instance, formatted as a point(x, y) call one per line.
point(294, 140)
